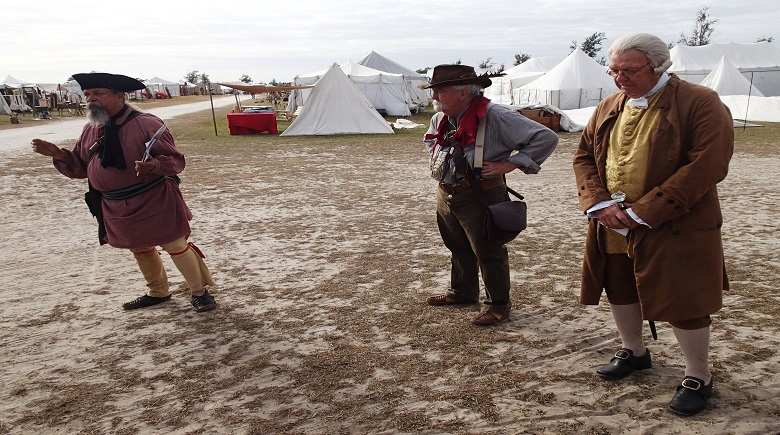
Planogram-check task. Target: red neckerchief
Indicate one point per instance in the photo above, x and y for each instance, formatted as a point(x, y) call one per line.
point(466, 134)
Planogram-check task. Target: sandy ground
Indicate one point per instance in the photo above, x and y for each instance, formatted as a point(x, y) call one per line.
point(325, 252)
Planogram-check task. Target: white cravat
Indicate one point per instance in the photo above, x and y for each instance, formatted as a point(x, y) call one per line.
point(641, 102)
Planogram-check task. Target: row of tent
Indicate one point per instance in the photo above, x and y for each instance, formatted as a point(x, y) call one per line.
point(746, 76)
point(738, 72)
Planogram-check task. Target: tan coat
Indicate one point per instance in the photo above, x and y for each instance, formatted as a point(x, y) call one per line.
point(679, 268)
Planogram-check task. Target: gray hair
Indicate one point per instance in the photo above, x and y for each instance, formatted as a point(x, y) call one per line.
point(653, 47)
point(473, 90)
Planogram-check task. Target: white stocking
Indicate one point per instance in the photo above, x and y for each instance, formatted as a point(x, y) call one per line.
point(628, 319)
point(695, 345)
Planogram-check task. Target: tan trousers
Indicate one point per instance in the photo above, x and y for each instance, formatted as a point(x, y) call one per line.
point(188, 260)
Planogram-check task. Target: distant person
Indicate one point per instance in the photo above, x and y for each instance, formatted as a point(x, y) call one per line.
point(138, 203)
point(646, 166)
point(457, 97)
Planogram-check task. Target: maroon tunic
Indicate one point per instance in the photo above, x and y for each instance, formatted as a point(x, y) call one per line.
point(151, 218)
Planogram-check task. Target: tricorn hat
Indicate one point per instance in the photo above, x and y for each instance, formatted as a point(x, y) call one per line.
point(453, 75)
point(116, 82)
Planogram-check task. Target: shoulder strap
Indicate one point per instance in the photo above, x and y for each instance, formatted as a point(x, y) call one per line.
point(479, 145)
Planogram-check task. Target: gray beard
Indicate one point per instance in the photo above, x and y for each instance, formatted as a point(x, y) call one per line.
point(97, 115)
point(436, 105)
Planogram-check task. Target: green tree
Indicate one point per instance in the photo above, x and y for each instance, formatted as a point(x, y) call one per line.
point(765, 39)
point(191, 76)
point(487, 64)
point(245, 79)
point(591, 46)
point(520, 58)
point(423, 71)
point(703, 27)
point(204, 78)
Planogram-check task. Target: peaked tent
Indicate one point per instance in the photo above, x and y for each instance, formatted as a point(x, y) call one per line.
point(578, 81)
point(387, 92)
point(726, 79)
point(336, 106)
point(378, 62)
point(757, 60)
point(502, 89)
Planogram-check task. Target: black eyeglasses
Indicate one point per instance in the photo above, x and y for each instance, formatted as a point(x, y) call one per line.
point(627, 72)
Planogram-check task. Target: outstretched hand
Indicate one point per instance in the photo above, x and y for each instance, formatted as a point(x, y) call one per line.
point(47, 149)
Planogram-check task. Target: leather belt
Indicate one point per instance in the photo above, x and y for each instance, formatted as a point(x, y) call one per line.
point(487, 183)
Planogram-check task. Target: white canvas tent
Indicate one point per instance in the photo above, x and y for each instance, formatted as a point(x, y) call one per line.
point(502, 89)
point(726, 79)
point(760, 109)
point(759, 61)
point(378, 62)
point(156, 84)
point(387, 92)
point(336, 106)
point(578, 81)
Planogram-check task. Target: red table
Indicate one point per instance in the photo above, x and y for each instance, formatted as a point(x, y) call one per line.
point(248, 123)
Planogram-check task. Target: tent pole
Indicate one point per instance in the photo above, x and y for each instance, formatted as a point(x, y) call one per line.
point(747, 105)
point(213, 117)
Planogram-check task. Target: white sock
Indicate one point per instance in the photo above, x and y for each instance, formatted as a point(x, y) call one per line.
point(628, 319)
point(695, 345)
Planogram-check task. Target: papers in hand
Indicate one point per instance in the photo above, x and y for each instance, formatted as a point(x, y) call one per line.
point(151, 142)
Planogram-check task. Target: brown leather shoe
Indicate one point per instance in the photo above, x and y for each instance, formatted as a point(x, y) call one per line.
point(442, 300)
point(488, 318)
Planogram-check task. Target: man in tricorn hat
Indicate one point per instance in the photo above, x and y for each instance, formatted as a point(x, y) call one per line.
point(136, 201)
point(511, 141)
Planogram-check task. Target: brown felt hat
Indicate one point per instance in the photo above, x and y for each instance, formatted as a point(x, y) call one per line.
point(116, 82)
point(453, 75)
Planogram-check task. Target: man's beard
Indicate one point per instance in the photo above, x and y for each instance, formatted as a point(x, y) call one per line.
point(436, 105)
point(97, 114)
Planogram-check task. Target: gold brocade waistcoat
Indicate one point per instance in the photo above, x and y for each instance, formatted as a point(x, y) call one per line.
point(627, 155)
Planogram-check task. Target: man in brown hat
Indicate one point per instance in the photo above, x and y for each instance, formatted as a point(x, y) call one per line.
point(136, 200)
point(511, 141)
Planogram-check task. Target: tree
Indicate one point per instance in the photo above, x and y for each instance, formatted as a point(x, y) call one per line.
point(487, 64)
point(245, 79)
point(591, 46)
point(765, 39)
point(520, 58)
point(423, 71)
point(191, 76)
point(204, 78)
point(703, 27)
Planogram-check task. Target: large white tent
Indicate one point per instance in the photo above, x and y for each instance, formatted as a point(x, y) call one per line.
point(759, 62)
point(577, 81)
point(387, 92)
point(501, 91)
point(336, 106)
point(156, 84)
point(726, 79)
point(378, 62)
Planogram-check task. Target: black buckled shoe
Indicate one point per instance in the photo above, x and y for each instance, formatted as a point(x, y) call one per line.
point(204, 302)
point(691, 396)
point(624, 363)
point(144, 301)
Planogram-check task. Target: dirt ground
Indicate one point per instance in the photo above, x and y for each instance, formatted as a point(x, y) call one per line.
point(325, 250)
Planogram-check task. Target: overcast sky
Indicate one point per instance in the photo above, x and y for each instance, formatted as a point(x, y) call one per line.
point(46, 41)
